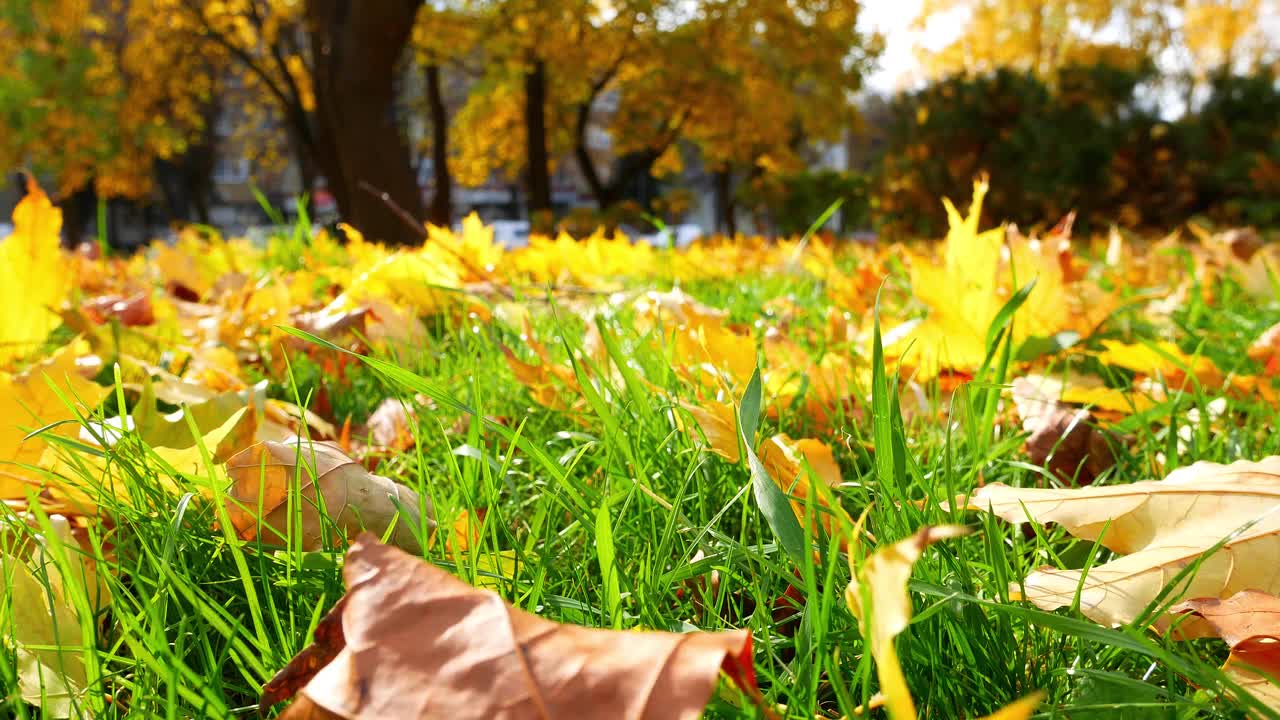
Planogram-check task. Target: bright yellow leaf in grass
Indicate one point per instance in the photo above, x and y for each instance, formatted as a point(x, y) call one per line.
point(1089, 391)
point(718, 422)
point(1157, 359)
point(1057, 302)
point(979, 272)
point(45, 628)
point(475, 243)
point(423, 280)
point(1018, 709)
point(878, 597)
point(37, 280)
point(963, 295)
point(1165, 362)
point(28, 402)
point(199, 260)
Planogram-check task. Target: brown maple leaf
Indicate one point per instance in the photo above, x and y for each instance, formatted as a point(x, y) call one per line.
point(417, 642)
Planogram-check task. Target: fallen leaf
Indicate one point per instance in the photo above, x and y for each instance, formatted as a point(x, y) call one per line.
point(1160, 359)
point(326, 642)
point(1160, 527)
point(1249, 622)
point(30, 401)
point(43, 623)
point(719, 425)
point(37, 279)
point(1266, 350)
point(389, 426)
point(1020, 709)
point(354, 499)
point(785, 460)
point(129, 311)
point(420, 643)
point(1063, 439)
point(878, 597)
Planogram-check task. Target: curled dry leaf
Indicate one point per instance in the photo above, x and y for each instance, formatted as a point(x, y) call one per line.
point(353, 498)
point(1063, 439)
point(1160, 527)
point(878, 597)
point(420, 643)
point(1249, 622)
point(129, 311)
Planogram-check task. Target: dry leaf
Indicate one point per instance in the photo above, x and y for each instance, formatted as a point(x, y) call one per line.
point(1063, 439)
point(719, 424)
point(389, 427)
point(326, 642)
point(354, 499)
point(1249, 622)
point(1160, 527)
point(129, 311)
point(29, 401)
point(42, 621)
point(420, 643)
point(784, 459)
point(878, 597)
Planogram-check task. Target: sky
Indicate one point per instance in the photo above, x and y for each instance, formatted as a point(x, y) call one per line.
point(892, 18)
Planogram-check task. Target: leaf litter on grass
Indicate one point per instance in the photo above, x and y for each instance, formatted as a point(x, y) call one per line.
point(582, 416)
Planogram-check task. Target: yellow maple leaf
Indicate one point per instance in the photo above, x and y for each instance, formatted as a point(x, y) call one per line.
point(979, 272)
point(37, 281)
point(962, 294)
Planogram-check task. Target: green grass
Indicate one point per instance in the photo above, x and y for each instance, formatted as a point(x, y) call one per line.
point(603, 512)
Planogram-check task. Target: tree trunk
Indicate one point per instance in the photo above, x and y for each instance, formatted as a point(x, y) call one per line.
point(535, 122)
point(441, 211)
point(599, 191)
point(355, 48)
point(307, 167)
point(78, 208)
point(725, 209)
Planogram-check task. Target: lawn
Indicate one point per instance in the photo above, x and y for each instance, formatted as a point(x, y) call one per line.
point(614, 436)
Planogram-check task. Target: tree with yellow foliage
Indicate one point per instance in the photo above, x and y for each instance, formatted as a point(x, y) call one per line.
point(1041, 37)
point(1230, 35)
point(1201, 36)
point(743, 81)
point(95, 99)
point(327, 70)
point(445, 41)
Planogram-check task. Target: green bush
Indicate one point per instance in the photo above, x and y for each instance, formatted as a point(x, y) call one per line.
point(792, 202)
point(1085, 142)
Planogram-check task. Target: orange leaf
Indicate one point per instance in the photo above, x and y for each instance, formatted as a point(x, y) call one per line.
point(1249, 622)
